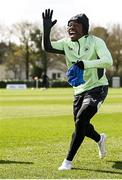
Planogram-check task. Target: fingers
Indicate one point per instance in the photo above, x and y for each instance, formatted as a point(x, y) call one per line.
point(47, 14)
point(43, 16)
point(54, 22)
point(50, 13)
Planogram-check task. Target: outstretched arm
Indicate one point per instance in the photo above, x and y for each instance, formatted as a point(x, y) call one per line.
point(47, 25)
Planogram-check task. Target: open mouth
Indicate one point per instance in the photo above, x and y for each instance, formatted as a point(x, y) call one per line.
point(72, 33)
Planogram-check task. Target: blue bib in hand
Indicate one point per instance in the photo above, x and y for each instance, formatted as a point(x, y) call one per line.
point(75, 76)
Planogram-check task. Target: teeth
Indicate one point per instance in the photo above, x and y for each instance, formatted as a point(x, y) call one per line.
point(72, 33)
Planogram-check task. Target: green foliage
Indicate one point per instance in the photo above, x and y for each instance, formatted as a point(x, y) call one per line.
point(35, 129)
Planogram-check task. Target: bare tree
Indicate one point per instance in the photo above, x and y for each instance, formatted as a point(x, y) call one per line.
point(14, 61)
point(100, 32)
point(115, 45)
point(23, 31)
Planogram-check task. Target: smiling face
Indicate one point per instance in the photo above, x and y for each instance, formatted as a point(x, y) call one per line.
point(75, 30)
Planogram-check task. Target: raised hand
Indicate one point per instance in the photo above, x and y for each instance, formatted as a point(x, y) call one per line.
point(47, 19)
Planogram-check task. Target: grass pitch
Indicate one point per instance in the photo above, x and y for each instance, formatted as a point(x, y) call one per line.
point(35, 131)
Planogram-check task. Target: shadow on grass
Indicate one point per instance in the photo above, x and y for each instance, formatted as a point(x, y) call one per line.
point(117, 164)
point(97, 170)
point(14, 162)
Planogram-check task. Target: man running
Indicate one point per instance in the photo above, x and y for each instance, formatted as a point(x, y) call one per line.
point(87, 57)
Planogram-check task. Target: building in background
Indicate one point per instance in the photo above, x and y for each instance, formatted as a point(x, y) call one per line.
point(53, 74)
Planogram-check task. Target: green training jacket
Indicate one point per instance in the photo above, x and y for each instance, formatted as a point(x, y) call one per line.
point(95, 56)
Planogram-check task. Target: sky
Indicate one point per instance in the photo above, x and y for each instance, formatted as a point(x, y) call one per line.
point(99, 12)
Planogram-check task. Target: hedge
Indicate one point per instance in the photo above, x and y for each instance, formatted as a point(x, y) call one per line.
point(33, 83)
point(52, 83)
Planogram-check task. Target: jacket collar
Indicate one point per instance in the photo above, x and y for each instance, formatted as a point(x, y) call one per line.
point(83, 38)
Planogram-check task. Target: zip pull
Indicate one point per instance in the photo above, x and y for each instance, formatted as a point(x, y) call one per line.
point(78, 48)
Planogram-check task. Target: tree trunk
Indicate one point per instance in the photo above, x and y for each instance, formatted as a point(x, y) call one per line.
point(27, 61)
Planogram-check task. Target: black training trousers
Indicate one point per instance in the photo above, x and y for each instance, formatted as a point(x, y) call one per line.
point(85, 107)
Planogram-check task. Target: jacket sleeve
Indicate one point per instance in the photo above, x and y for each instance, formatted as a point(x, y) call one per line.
point(104, 58)
point(46, 43)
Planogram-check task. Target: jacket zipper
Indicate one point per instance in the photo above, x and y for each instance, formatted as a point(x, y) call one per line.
point(78, 48)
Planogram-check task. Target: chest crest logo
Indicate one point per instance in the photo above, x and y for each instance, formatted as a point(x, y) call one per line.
point(70, 48)
point(86, 49)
